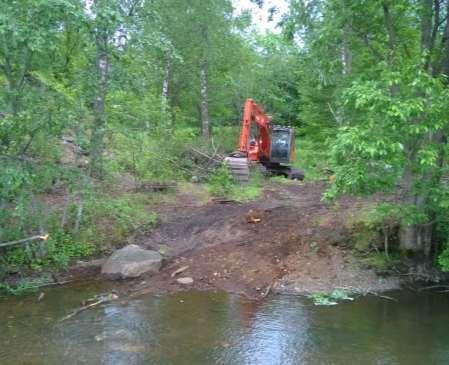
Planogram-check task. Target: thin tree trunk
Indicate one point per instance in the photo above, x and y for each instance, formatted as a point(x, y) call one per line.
point(445, 44)
point(204, 102)
point(347, 55)
point(166, 84)
point(96, 147)
point(391, 32)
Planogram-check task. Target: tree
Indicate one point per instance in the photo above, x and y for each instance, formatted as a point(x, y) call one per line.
point(391, 104)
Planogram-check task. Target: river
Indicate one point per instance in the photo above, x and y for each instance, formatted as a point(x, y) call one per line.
point(196, 328)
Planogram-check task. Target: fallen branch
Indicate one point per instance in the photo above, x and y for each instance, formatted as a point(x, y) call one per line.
point(179, 271)
point(206, 155)
point(384, 297)
point(24, 240)
point(267, 290)
point(103, 299)
point(225, 201)
point(433, 287)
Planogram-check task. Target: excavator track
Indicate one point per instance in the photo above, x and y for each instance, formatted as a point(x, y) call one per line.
point(239, 168)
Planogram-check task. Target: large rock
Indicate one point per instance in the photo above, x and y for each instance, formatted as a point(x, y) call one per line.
point(130, 262)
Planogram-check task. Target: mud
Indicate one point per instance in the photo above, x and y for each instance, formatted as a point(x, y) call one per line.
point(289, 240)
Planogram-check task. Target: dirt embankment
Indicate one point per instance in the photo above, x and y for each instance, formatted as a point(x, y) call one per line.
point(289, 240)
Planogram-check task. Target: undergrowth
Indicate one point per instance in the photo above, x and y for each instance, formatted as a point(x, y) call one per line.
point(105, 222)
point(313, 158)
point(222, 184)
point(17, 290)
point(443, 259)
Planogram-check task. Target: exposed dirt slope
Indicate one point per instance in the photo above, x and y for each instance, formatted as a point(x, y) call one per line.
point(289, 240)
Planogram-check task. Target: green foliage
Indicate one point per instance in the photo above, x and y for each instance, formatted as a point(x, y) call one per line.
point(331, 298)
point(369, 102)
point(379, 262)
point(379, 96)
point(18, 290)
point(105, 222)
point(443, 259)
point(313, 157)
point(114, 218)
point(58, 251)
point(222, 184)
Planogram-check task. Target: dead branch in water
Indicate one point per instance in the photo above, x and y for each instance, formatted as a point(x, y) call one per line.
point(103, 299)
point(383, 296)
point(434, 287)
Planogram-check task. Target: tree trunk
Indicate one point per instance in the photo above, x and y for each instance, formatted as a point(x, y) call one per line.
point(391, 32)
point(347, 55)
point(445, 45)
point(204, 102)
point(416, 238)
point(166, 85)
point(96, 144)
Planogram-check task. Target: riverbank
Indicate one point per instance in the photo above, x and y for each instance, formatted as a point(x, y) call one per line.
point(287, 241)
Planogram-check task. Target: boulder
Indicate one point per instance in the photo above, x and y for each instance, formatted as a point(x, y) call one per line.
point(131, 262)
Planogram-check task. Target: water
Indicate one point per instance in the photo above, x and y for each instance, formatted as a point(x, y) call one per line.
point(215, 328)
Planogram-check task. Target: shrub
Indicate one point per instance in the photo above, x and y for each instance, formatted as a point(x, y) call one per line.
point(443, 259)
point(222, 184)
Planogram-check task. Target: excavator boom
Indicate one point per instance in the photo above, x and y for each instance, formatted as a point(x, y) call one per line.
point(259, 148)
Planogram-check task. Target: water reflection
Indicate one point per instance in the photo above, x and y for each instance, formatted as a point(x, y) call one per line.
point(215, 328)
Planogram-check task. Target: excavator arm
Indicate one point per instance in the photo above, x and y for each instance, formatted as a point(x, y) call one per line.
point(259, 149)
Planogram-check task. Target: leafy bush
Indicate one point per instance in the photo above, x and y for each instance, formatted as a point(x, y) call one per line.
point(443, 259)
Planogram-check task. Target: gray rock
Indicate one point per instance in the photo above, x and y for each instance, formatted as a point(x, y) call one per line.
point(185, 281)
point(131, 262)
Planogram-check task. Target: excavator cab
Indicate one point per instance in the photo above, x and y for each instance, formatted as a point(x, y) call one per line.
point(282, 144)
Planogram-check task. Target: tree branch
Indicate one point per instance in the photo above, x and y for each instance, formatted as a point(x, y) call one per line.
point(24, 240)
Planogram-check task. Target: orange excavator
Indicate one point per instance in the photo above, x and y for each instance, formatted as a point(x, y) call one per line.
point(272, 146)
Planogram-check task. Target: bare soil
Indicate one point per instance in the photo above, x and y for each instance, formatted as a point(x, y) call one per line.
point(289, 240)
